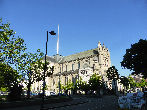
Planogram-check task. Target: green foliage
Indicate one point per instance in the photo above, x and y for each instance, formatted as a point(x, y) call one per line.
point(135, 58)
point(84, 87)
point(31, 67)
point(4, 89)
point(10, 46)
point(132, 82)
point(8, 76)
point(143, 83)
point(15, 93)
point(68, 86)
point(125, 81)
point(140, 84)
point(12, 50)
point(78, 83)
point(112, 73)
point(95, 82)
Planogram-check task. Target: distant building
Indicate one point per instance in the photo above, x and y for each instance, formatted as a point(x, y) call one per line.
point(137, 78)
point(71, 67)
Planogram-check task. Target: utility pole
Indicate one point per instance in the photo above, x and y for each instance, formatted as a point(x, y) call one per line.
point(42, 104)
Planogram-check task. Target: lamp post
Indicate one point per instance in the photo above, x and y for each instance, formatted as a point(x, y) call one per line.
point(42, 104)
point(59, 85)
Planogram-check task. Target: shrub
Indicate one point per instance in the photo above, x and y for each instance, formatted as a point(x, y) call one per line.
point(15, 93)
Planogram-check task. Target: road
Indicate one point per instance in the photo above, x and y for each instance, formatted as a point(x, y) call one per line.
point(84, 103)
point(105, 103)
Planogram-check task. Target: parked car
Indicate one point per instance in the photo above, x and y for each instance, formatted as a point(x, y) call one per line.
point(52, 93)
point(62, 94)
point(49, 93)
point(33, 94)
point(3, 93)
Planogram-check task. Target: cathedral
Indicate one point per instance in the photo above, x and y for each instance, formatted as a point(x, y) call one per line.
point(70, 68)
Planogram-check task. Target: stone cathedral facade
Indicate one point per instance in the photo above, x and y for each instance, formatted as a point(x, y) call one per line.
point(71, 67)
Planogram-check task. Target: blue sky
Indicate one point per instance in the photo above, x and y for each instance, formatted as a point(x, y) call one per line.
point(116, 23)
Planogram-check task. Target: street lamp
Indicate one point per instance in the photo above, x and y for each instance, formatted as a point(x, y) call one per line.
point(42, 105)
point(59, 85)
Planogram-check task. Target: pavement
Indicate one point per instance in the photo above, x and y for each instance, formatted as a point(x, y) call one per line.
point(94, 103)
point(78, 103)
point(75, 101)
point(52, 106)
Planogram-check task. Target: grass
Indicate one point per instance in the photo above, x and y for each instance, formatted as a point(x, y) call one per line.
point(3, 98)
point(32, 101)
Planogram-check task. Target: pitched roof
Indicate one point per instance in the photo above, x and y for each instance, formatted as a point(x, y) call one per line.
point(73, 56)
point(48, 58)
point(79, 55)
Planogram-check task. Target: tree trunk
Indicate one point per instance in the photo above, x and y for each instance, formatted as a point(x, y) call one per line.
point(115, 86)
point(29, 89)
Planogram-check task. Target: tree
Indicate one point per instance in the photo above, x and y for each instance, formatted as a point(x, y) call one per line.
point(9, 80)
point(10, 46)
point(125, 81)
point(68, 86)
point(112, 74)
point(84, 87)
point(31, 67)
point(8, 76)
point(143, 83)
point(135, 58)
point(95, 82)
point(15, 92)
point(132, 82)
point(77, 85)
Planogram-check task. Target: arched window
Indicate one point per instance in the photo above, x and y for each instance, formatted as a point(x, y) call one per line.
point(93, 67)
point(53, 82)
point(65, 80)
point(72, 66)
point(62, 67)
point(66, 68)
point(78, 65)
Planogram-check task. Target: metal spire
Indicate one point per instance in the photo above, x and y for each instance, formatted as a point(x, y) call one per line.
point(58, 41)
